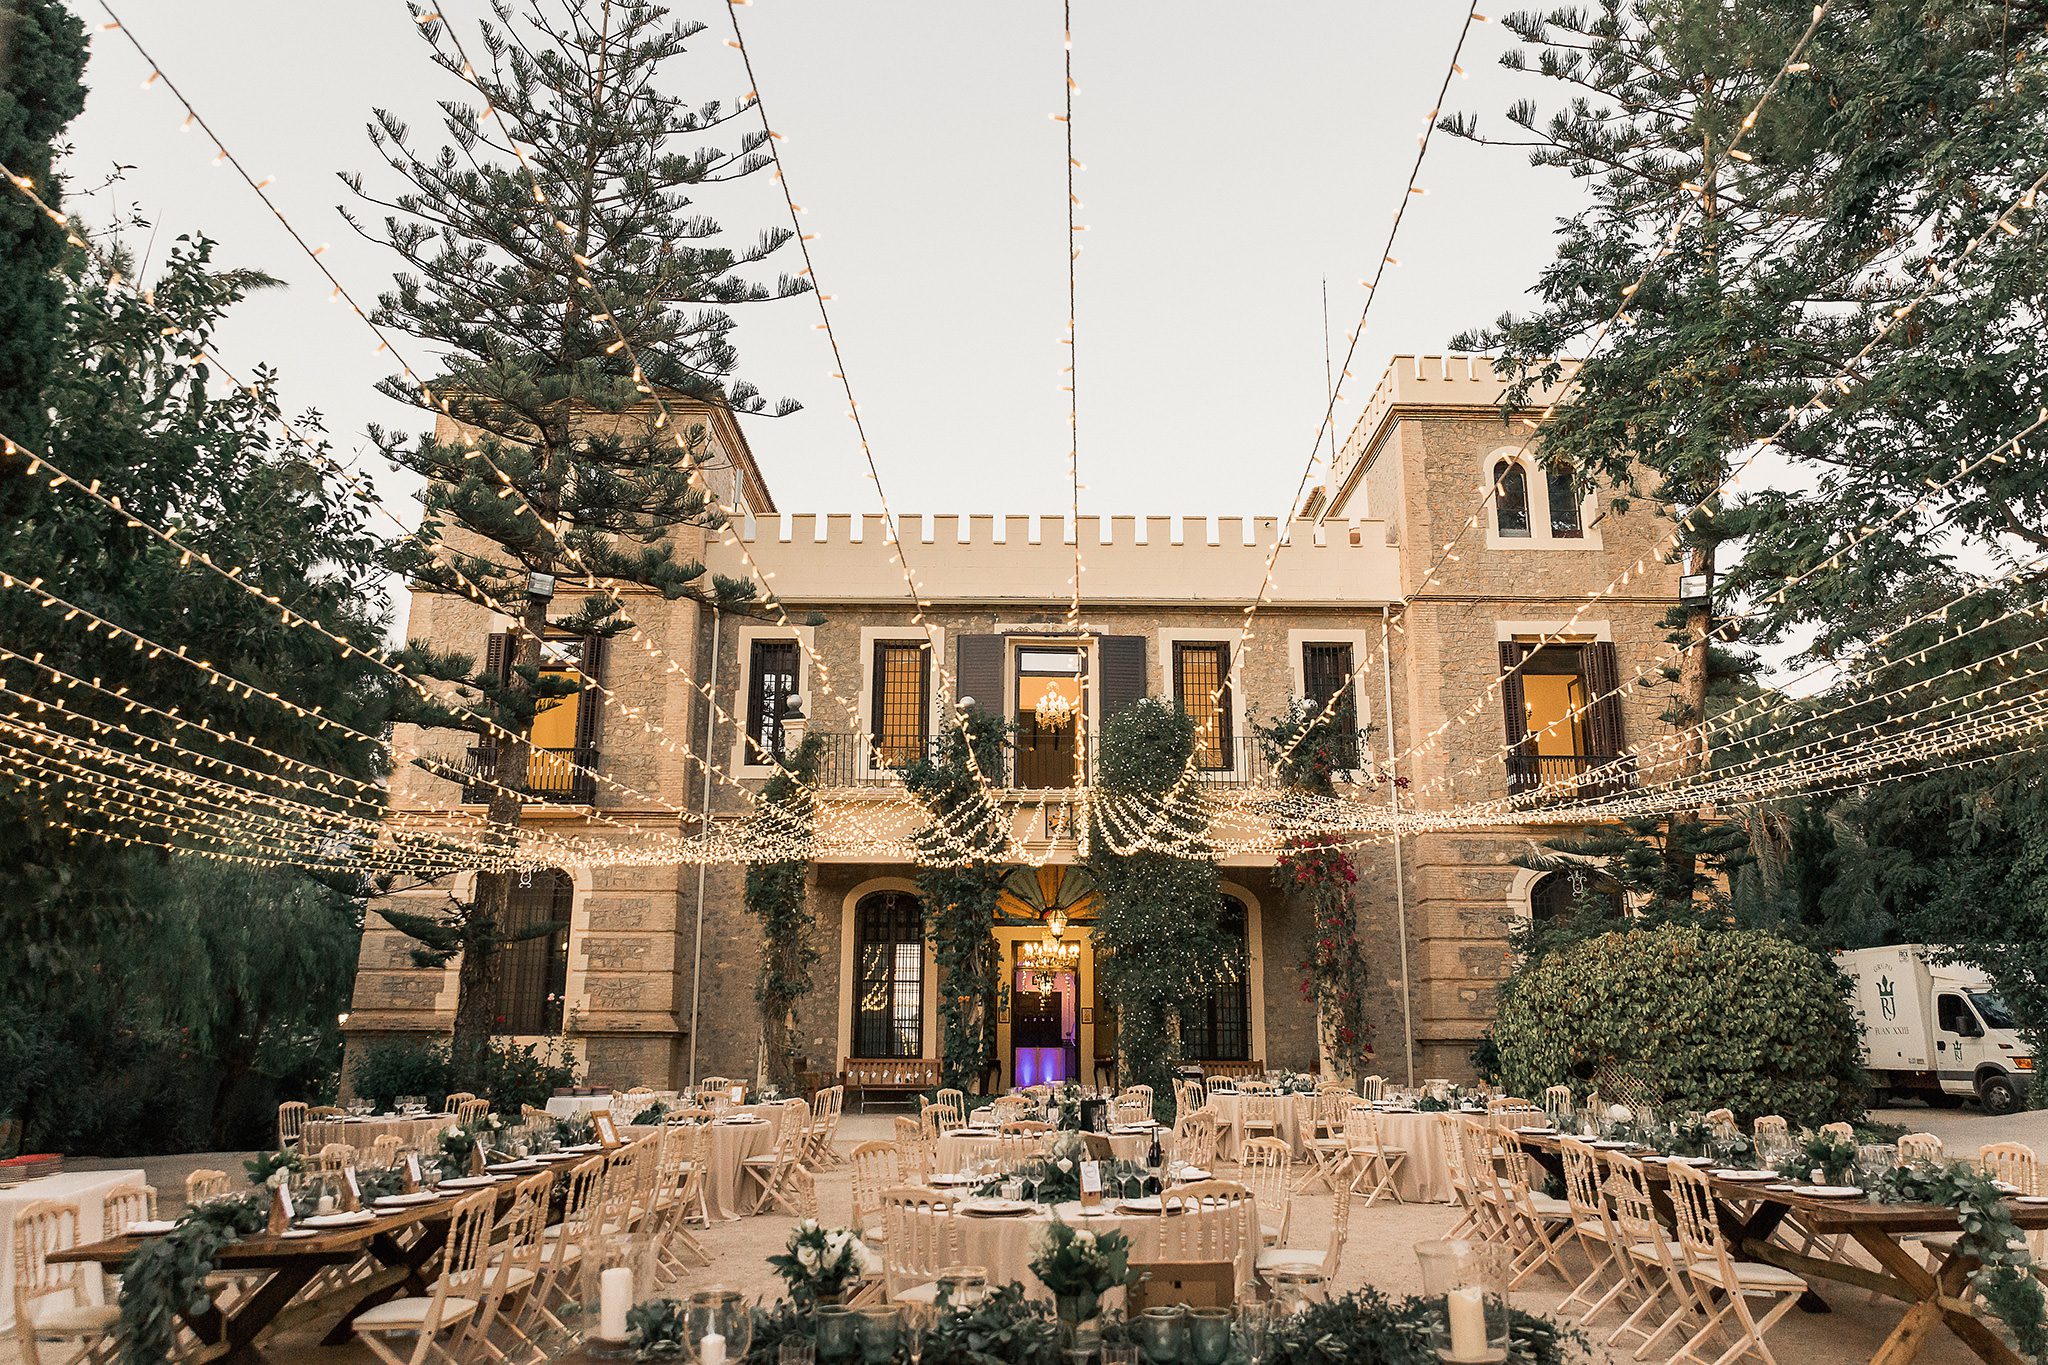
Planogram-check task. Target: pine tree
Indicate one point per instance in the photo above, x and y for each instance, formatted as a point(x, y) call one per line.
point(1905, 130)
point(575, 293)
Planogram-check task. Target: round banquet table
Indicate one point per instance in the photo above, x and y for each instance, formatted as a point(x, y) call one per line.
point(362, 1133)
point(1006, 1243)
point(1424, 1178)
point(731, 1144)
point(960, 1148)
point(1228, 1136)
point(570, 1106)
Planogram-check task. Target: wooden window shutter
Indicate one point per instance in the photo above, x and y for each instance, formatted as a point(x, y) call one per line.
point(978, 673)
point(498, 655)
point(1515, 713)
point(1602, 672)
point(590, 706)
point(1123, 671)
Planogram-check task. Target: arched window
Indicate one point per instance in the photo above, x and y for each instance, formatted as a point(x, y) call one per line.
point(888, 954)
point(1511, 501)
point(1220, 1029)
point(1554, 893)
point(534, 973)
point(1564, 504)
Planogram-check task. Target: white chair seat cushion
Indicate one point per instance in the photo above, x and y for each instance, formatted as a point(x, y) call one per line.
point(1748, 1275)
point(1647, 1251)
point(917, 1293)
point(568, 1253)
point(1289, 1258)
point(1548, 1206)
point(761, 1159)
point(399, 1314)
point(77, 1319)
point(1593, 1228)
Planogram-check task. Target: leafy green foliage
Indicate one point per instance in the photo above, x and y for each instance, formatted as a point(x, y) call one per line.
point(1080, 1265)
point(509, 1074)
point(2004, 1276)
point(1319, 875)
point(1157, 939)
point(168, 1274)
point(777, 896)
point(960, 896)
point(1704, 1018)
point(1368, 1328)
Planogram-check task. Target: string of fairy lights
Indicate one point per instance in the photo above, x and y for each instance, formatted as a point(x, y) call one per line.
point(295, 811)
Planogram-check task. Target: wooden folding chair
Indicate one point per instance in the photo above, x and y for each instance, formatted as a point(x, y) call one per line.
point(1371, 1159)
point(1721, 1286)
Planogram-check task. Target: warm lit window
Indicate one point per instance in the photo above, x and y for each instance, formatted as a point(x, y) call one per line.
point(1556, 705)
point(1201, 684)
point(1564, 504)
point(771, 694)
point(902, 693)
point(888, 1002)
point(1219, 1028)
point(1510, 499)
point(534, 963)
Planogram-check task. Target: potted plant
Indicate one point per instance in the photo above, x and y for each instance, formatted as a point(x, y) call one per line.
point(1079, 1266)
point(821, 1265)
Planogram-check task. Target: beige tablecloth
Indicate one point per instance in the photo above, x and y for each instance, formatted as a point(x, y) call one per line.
point(88, 1190)
point(1423, 1177)
point(362, 1133)
point(960, 1148)
point(731, 1144)
point(1006, 1245)
point(1227, 1105)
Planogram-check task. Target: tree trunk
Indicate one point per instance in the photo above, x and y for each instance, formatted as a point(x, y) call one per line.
point(1680, 859)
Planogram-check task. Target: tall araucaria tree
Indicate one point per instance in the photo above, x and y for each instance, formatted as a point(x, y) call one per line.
point(1767, 270)
point(572, 292)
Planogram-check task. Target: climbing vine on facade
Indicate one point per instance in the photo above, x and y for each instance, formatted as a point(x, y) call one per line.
point(776, 895)
point(960, 897)
point(1319, 875)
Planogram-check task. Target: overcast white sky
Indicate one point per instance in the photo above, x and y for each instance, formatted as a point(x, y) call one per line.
point(1236, 155)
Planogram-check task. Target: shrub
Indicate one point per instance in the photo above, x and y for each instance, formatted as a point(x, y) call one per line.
point(389, 1067)
point(1703, 1017)
point(515, 1074)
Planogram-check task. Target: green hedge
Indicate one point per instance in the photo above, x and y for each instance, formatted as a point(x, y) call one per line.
point(514, 1073)
point(1705, 1017)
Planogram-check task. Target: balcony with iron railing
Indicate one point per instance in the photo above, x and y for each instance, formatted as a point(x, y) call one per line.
point(1571, 777)
point(848, 759)
point(553, 776)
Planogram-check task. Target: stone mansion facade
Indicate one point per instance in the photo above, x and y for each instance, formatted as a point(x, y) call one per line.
point(653, 980)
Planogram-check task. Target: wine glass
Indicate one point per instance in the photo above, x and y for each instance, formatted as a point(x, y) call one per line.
point(914, 1327)
point(1253, 1328)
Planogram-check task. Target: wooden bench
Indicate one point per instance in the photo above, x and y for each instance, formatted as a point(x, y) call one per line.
point(1237, 1070)
point(898, 1076)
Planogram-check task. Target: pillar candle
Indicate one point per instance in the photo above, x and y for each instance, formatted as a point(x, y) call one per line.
point(1468, 1322)
point(711, 1350)
point(614, 1297)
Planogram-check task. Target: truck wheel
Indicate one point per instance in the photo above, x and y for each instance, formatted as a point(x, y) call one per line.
point(1999, 1094)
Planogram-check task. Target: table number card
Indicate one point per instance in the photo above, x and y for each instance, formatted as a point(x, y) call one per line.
point(281, 1211)
point(1091, 1184)
point(607, 1131)
point(413, 1179)
point(351, 1191)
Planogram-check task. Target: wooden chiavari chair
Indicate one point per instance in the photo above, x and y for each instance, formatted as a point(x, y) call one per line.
point(921, 1239)
point(439, 1325)
point(51, 1305)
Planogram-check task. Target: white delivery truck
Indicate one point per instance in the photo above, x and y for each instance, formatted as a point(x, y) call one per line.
point(1935, 1031)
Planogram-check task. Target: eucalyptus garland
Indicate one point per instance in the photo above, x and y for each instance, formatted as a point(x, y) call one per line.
point(777, 895)
point(167, 1275)
point(1158, 940)
point(2004, 1277)
point(960, 897)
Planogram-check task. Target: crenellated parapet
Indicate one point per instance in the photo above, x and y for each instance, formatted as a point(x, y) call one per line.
point(1124, 559)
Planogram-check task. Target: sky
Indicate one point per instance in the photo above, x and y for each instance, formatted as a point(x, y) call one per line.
point(1237, 157)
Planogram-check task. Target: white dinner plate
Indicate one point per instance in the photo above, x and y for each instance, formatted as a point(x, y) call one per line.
point(2005, 1187)
point(956, 1179)
point(467, 1182)
point(2031, 1199)
point(341, 1220)
point(1148, 1203)
point(1694, 1160)
point(513, 1167)
point(151, 1227)
point(1746, 1177)
point(996, 1207)
point(406, 1201)
point(1833, 1191)
point(1610, 1144)
point(1188, 1173)
point(296, 1233)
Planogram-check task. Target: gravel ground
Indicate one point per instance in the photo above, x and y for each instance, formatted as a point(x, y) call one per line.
point(1380, 1250)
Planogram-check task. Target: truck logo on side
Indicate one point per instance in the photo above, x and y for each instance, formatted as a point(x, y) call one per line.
point(1887, 999)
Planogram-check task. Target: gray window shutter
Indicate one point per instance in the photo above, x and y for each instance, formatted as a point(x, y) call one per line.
point(978, 673)
point(1123, 671)
point(1602, 672)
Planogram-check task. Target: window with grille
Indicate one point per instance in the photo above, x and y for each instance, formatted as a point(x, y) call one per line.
point(902, 691)
point(1220, 1030)
point(534, 972)
point(1564, 504)
point(771, 693)
point(888, 1004)
point(1326, 675)
point(1510, 499)
point(1201, 684)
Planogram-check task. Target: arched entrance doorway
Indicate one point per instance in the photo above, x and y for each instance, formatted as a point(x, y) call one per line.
point(1049, 1024)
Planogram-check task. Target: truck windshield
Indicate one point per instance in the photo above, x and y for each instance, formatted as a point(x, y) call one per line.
point(1992, 1009)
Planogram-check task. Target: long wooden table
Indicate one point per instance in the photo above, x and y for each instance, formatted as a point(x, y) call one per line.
point(1750, 1213)
point(228, 1330)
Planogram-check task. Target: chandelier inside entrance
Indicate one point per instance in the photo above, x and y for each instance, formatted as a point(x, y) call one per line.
point(1046, 958)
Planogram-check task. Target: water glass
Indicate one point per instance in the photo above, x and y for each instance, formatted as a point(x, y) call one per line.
point(1209, 1335)
point(837, 1330)
point(878, 1334)
point(1163, 1333)
point(1253, 1327)
point(963, 1286)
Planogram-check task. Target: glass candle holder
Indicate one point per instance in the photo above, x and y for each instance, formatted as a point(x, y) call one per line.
point(1470, 1280)
point(837, 1330)
point(1209, 1335)
point(963, 1286)
point(718, 1325)
point(1162, 1334)
point(880, 1330)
